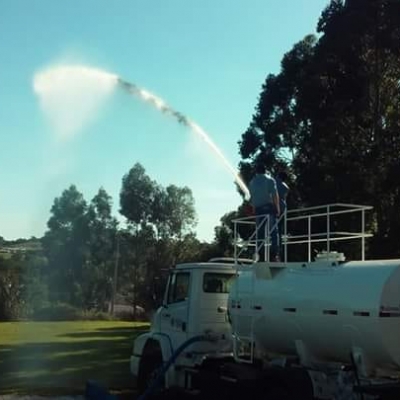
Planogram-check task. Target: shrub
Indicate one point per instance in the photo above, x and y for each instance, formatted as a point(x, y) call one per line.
point(66, 312)
point(93, 315)
point(57, 312)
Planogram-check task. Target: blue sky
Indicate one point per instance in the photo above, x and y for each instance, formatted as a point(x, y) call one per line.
point(207, 59)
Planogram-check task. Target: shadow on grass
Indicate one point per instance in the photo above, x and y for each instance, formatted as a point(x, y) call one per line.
point(64, 367)
point(108, 333)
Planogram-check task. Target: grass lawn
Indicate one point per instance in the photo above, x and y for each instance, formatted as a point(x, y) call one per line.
point(59, 357)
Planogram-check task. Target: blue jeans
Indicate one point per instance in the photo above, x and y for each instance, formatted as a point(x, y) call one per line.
point(262, 214)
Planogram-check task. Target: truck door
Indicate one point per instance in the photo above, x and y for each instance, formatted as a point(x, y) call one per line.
point(174, 315)
point(214, 301)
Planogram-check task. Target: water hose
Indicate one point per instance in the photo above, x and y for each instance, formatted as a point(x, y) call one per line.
point(164, 369)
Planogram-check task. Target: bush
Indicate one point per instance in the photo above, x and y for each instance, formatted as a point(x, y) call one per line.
point(95, 316)
point(125, 312)
point(57, 312)
point(66, 312)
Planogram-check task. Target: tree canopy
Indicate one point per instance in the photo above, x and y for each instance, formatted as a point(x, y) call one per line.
point(331, 116)
point(169, 211)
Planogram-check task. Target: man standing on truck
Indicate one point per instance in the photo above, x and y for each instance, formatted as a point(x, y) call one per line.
point(265, 200)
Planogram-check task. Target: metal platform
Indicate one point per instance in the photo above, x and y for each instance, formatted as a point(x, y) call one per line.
point(310, 227)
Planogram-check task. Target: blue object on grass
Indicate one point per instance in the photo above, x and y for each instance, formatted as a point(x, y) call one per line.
point(95, 391)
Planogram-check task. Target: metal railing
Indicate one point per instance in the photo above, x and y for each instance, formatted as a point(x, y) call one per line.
point(291, 234)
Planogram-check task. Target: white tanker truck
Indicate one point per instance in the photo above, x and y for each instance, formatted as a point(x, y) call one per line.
point(322, 328)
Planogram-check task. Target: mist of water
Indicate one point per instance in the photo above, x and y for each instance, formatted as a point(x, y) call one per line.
point(71, 96)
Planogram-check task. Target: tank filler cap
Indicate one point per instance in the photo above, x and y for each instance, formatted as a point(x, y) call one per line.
point(330, 256)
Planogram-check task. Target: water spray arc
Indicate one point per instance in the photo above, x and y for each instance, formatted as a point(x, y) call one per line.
point(70, 96)
point(162, 106)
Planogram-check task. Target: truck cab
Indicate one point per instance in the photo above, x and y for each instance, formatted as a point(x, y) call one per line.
point(195, 303)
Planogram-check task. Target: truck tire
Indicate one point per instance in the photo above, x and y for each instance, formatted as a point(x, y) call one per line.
point(149, 366)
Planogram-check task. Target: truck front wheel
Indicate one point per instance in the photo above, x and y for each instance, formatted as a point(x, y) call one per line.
point(149, 368)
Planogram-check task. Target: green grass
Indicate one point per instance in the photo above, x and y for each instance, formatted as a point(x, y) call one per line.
point(59, 357)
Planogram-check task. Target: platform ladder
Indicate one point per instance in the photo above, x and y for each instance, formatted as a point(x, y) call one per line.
point(243, 345)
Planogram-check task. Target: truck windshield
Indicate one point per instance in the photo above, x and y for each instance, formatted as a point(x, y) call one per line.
point(214, 282)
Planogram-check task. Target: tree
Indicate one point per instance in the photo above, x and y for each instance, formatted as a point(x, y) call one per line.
point(188, 249)
point(137, 272)
point(332, 114)
point(170, 211)
point(100, 262)
point(278, 124)
point(159, 233)
point(173, 213)
point(80, 245)
point(137, 196)
point(11, 288)
point(66, 246)
point(34, 283)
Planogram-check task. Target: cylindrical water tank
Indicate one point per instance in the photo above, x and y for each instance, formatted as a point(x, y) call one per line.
point(326, 310)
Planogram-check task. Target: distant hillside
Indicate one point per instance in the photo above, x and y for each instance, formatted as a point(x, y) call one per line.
point(9, 247)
